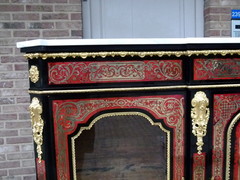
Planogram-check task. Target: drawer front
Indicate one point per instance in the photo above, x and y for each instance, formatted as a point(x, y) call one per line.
point(87, 72)
point(216, 68)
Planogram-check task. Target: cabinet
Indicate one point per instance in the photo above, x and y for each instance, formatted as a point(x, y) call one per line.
point(135, 108)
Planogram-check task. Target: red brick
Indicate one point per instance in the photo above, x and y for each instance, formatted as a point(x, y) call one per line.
point(18, 140)
point(1, 141)
point(5, 33)
point(12, 59)
point(24, 33)
point(26, 16)
point(19, 156)
point(225, 17)
point(218, 25)
point(21, 171)
point(10, 42)
point(28, 163)
point(6, 50)
point(6, 84)
point(5, 8)
point(2, 157)
point(9, 164)
point(54, 1)
point(25, 1)
point(14, 92)
point(40, 25)
point(12, 25)
point(5, 16)
point(5, 67)
point(211, 17)
point(7, 100)
point(2, 125)
point(55, 16)
point(17, 125)
point(15, 108)
point(27, 147)
point(24, 116)
point(74, 1)
point(78, 33)
point(4, 1)
point(8, 117)
point(6, 133)
point(33, 177)
point(20, 67)
point(24, 84)
point(217, 10)
point(230, 3)
point(76, 16)
point(3, 173)
point(23, 100)
point(211, 33)
point(55, 33)
point(212, 3)
point(14, 75)
point(39, 8)
point(67, 8)
point(69, 25)
point(17, 52)
point(9, 148)
point(226, 33)
point(24, 132)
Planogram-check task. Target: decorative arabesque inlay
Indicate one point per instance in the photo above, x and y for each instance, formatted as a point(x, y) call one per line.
point(225, 106)
point(200, 116)
point(37, 125)
point(124, 71)
point(199, 163)
point(69, 113)
point(34, 74)
point(229, 145)
point(216, 69)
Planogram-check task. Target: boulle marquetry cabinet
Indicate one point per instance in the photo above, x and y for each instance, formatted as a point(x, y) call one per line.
point(134, 109)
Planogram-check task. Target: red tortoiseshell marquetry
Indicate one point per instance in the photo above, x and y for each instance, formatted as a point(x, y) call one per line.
point(41, 169)
point(199, 166)
point(216, 69)
point(236, 166)
point(225, 106)
point(117, 71)
point(69, 113)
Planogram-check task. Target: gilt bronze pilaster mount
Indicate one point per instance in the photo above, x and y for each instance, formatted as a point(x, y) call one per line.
point(200, 116)
point(37, 125)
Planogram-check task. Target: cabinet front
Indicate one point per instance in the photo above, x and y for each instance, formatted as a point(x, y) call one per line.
point(132, 112)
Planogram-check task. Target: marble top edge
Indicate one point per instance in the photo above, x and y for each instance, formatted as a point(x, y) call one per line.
point(146, 41)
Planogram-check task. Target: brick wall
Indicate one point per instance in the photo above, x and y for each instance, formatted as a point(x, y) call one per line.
point(218, 17)
point(22, 20)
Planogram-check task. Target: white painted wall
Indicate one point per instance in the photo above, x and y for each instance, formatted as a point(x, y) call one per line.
point(142, 18)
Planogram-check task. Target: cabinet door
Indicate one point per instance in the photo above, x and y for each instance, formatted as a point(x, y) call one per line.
point(72, 116)
point(225, 154)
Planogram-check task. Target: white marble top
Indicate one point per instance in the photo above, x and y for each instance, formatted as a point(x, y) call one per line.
point(147, 41)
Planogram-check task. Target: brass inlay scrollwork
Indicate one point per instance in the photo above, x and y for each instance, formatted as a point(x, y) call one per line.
point(229, 145)
point(37, 125)
point(200, 116)
point(140, 54)
point(34, 74)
